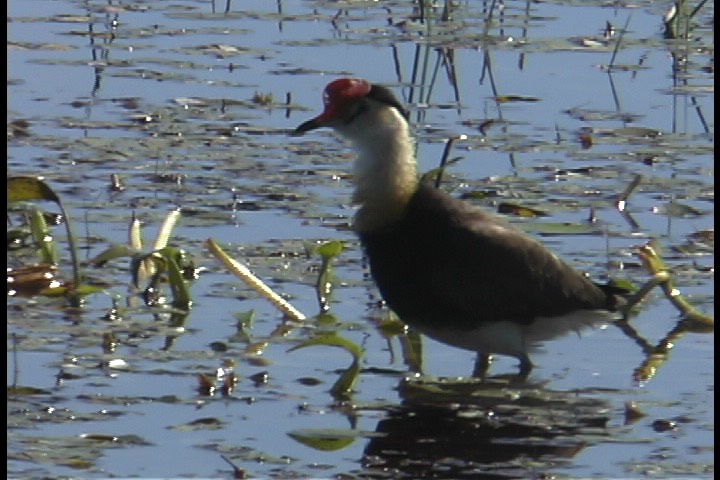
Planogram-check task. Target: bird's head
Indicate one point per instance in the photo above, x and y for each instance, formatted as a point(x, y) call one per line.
point(352, 106)
point(385, 170)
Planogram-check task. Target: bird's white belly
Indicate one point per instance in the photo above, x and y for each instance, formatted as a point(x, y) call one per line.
point(505, 337)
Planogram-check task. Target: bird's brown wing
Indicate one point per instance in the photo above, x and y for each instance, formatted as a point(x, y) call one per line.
point(449, 258)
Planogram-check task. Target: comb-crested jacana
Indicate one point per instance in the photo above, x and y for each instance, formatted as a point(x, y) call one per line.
point(449, 269)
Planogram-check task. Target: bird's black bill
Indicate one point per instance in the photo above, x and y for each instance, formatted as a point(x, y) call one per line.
point(307, 126)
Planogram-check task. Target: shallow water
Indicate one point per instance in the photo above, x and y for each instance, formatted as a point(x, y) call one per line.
point(161, 94)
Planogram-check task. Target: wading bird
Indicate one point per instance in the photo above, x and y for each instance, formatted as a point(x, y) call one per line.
point(451, 270)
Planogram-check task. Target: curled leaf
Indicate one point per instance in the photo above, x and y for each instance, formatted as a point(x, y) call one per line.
point(29, 188)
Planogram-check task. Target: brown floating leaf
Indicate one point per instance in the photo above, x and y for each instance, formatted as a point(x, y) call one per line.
point(632, 413)
point(515, 98)
point(206, 386)
point(586, 140)
point(31, 280)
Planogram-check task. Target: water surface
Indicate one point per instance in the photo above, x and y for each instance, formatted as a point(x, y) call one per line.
point(189, 103)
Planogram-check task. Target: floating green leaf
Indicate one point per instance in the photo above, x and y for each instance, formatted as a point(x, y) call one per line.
point(349, 377)
point(81, 291)
point(550, 228)
point(677, 210)
point(520, 210)
point(325, 439)
point(23, 390)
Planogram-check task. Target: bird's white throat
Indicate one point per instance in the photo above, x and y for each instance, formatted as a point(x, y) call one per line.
point(385, 171)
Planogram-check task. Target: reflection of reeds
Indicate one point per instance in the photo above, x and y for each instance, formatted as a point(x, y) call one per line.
point(691, 321)
point(678, 27)
point(677, 20)
point(656, 355)
point(425, 8)
point(424, 78)
point(99, 62)
point(618, 43)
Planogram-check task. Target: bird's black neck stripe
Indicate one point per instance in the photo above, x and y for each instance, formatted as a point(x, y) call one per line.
point(384, 95)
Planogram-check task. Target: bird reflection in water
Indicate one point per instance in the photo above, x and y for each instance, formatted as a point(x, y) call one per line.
point(473, 429)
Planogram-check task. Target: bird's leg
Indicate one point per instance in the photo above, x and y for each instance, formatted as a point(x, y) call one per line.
point(482, 364)
point(526, 367)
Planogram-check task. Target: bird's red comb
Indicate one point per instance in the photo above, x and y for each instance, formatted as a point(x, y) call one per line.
point(344, 89)
point(341, 92)
point(338, 97)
